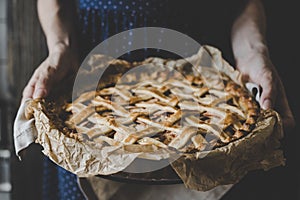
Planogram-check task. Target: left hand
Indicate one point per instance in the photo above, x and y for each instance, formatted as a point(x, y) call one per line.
point(258, 68)
point(60, 63)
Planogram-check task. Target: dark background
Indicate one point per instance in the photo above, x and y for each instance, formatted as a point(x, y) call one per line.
point(283, 41)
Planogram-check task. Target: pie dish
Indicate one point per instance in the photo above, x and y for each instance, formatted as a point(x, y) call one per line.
point(194, 113)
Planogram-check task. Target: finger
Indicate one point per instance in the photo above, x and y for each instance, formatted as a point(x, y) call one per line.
point(44, 83)
point(41, 88)
point(29, 88)
point(40, 93)
point(268, 95)
point(27, 92)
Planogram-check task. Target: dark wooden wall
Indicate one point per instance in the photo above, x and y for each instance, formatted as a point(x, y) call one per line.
point(26, 50)
point(26, 43)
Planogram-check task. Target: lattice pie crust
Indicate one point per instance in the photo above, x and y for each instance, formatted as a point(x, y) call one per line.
point(182, 106)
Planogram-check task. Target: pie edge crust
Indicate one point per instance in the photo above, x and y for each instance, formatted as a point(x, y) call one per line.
point(90, 160)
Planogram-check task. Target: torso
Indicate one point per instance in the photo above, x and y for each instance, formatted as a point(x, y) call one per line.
point(208, 22)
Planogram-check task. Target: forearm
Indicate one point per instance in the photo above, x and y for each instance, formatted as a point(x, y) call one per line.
point(248, 32)
point(57, 18)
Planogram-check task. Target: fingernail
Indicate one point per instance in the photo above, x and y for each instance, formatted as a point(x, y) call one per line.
point(39, 93)
point(267, 104)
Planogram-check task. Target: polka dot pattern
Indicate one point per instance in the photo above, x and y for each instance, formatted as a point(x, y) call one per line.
point(50, 181)
point(68, 186)
point(59, 184)
point(108, 11)
point(110, 17)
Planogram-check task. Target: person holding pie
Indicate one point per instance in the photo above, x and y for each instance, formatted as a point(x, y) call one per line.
point(74, 28)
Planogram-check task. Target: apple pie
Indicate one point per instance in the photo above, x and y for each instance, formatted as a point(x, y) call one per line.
point(153, 109)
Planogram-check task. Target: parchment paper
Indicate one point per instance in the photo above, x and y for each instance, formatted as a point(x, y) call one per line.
point(226, 165)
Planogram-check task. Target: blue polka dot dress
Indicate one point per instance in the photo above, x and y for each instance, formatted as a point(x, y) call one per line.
point(59, 184)
point(100, 19)
point(207, 22)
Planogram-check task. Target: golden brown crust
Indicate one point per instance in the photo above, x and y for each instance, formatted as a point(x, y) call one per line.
point(205, 110)
point(149, 109)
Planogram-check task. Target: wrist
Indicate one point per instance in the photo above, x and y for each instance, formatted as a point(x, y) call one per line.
point(64, 56)
point(61, 48)
point(59, 45)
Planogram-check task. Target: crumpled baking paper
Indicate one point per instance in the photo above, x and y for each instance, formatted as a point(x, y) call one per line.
point(200, 171)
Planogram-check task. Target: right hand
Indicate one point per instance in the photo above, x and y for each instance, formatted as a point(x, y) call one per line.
point(60, 63)
point(258, 69)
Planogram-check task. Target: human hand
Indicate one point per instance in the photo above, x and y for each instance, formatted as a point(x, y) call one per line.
point(258, 68)
point(60, 62)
